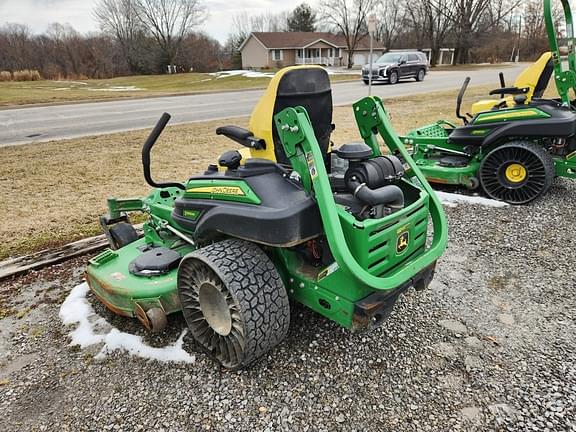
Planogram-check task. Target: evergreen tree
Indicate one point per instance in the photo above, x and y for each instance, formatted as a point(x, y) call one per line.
point(302, 19)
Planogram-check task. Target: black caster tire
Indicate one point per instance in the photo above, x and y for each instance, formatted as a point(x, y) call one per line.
point(234, 301)
point(157, 318)
point(517, 172)
point(122, 234)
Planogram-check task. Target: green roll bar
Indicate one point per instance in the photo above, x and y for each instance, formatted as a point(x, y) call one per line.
point(297, 135)
point(565, 79)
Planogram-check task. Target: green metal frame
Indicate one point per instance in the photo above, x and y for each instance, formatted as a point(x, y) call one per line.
point(565, 79)
point(297, 135)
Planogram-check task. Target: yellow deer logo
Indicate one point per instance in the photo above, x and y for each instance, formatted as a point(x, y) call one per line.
point(402, 242)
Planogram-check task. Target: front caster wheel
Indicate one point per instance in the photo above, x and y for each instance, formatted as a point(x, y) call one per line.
point(517, 172)
point(157, 319)
point(233, 301)
point(122, 234)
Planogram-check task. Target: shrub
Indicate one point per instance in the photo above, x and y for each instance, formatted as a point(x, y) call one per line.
point(27, 75)
point(5, 76)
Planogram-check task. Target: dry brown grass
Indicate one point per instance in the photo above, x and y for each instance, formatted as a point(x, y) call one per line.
point(26, 75)
point(54, 192)
point(5, 76)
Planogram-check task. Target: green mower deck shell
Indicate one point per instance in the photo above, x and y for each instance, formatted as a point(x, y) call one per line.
point(121, 291)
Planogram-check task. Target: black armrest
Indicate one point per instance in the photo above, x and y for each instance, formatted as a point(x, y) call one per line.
point(510, 91)
point(241, 136)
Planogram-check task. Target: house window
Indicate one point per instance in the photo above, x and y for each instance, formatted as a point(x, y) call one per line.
point(276, 55)
point(337, 53)
point(330, 52)
point(300, 53)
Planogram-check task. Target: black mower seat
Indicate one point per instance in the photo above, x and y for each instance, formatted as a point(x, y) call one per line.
point(285, 217)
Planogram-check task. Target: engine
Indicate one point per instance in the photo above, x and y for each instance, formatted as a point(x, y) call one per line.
point(366, 186)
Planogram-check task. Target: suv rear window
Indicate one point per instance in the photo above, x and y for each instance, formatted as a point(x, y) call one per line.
point(413, 57)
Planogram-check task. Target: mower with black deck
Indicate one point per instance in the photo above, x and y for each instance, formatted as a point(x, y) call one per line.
point(513, 147)
point(343, 231)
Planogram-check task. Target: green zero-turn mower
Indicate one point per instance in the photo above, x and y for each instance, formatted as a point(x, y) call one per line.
point(344, 232)
point(511, 148)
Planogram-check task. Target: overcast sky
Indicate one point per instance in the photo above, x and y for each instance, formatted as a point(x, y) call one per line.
point(38, 14)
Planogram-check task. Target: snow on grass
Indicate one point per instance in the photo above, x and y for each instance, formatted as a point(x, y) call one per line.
point(116, 89)
point(72, 82)
point(77, 310)
point(244, 73)
point(260, 74)
point(452, 200)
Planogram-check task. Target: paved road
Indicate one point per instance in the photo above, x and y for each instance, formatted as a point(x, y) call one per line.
point(38, 124)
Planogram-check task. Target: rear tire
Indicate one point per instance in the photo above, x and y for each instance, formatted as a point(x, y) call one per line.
point(421, 75)
point(233, 301)
point(393, 78)
point(517, 172)
point(366, 82)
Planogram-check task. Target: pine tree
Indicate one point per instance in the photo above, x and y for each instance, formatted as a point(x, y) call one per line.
point(302, 19)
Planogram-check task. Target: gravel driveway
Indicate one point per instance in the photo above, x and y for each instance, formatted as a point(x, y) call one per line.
point(490, 346)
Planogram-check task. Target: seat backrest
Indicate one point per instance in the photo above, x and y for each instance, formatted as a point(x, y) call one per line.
point(537, 76)
point(306, 86)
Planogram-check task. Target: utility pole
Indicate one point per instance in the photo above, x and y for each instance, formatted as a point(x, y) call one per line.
point(371, 30)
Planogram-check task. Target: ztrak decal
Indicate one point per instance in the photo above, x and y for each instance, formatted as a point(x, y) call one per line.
point(218, 190)
point(525, 114)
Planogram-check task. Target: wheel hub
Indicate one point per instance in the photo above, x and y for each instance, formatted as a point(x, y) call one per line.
point(215, 308)
point(515, 173)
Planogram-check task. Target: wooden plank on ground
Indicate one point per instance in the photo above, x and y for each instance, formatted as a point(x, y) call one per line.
point(47, 257)
point(38, 260)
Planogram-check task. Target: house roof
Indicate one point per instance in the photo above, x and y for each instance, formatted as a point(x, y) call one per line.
point(298, 40)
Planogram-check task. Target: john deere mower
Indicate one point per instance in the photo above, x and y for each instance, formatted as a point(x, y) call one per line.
point(344, 231)
point(513, 147)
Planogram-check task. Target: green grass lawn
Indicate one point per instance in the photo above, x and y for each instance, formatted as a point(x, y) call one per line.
point(34, 92)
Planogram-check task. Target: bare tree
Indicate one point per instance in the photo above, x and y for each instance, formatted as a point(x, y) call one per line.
point(391, 21)
point(120, 19)
point(473, 17)
point(347, 17)
point(169, 22)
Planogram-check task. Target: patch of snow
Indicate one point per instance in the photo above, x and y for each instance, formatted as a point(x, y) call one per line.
point(72, 82)
point(343, 71)
point(452, 200)
point(77, 310)
point(63, 88)
point(244, 73)
point(117, 89)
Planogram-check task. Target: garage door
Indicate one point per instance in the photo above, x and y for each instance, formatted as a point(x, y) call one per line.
point(359, 59)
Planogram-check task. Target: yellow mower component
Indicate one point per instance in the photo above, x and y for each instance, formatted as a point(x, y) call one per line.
point(261, 120)
point(516, 173)
point(534, 78)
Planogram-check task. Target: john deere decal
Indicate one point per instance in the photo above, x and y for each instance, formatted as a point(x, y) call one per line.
point(402, 242)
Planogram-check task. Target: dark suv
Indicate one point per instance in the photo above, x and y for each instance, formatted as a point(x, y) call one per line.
point(394, 66)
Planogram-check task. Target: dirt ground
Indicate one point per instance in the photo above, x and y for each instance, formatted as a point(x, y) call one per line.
point(490, 346)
